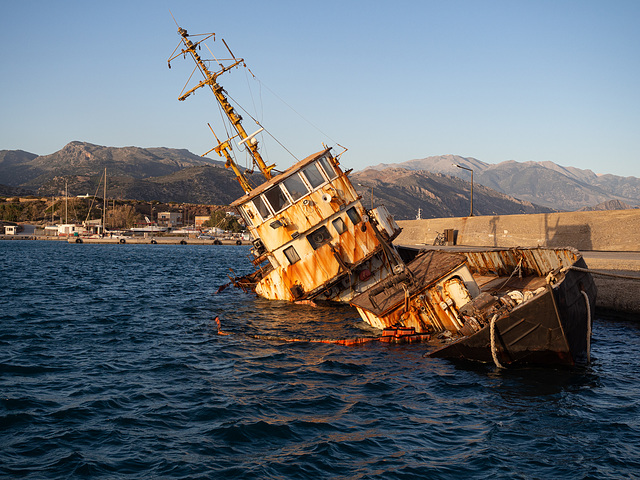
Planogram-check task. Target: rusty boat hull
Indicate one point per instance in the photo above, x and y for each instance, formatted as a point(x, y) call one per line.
point(552, 329)
point(313, 240)
point(541, 315)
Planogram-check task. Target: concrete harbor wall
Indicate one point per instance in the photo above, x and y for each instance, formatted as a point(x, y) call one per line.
point(609, 241)
point(607, 231)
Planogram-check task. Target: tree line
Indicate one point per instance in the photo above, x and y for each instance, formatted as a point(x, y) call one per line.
point(121, 214)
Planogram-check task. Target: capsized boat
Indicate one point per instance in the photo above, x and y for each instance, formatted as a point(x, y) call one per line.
point(314, 240)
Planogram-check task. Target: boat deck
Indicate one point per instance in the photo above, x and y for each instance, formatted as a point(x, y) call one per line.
point(494, 283)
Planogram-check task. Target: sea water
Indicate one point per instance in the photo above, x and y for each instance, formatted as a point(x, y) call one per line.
point(111, 366)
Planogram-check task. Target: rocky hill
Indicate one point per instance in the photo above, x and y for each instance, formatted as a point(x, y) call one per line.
point(14, 171)
point(405, 191)
point(609, 205)
point(30, 171)
point(543, 183)
point(433, 185)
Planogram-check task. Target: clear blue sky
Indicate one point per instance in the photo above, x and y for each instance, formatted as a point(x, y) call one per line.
point(393, 81)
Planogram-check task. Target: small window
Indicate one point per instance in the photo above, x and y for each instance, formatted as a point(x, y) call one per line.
point(339, 225)
point(275, 197)
point(319, 237)
point(353, 215)
point(313, 175)
point(261, 207)
point(291, 255)
point(328, 168)
point(296, 187)
point(247, 214)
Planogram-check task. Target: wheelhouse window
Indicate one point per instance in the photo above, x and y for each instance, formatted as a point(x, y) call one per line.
point(261, 207)
point(276, 198)
point(291, 255)
point(313, 175)
point(296, 187)
point(328, 168)
point(319, 237)
point(247, 214)
point(339, 225)
point(353, 215)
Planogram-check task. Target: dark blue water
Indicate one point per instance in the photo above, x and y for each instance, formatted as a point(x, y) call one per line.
point(111, 367)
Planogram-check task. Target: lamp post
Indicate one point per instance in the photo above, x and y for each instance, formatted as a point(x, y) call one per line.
point(368, 186)
point(470, 170)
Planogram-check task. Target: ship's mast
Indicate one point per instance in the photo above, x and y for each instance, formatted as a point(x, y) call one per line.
point(210, 79)
point(104, 204)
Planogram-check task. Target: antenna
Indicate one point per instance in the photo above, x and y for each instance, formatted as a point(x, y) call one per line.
point(174, 18)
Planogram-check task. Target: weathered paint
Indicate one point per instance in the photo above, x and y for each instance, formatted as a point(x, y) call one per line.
point(533, 261)
point(311, 227)
point(436, 307)
point(349, 255)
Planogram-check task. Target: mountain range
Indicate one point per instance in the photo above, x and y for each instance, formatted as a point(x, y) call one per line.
point(430, 187)
point(543, 183)
point(408, 194)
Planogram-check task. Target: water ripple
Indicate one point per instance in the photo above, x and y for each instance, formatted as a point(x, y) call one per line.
point(111, 367)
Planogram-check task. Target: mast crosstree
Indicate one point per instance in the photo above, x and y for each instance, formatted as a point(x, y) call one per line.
point(211, 80)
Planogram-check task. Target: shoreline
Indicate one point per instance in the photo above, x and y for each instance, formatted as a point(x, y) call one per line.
point(128, 240)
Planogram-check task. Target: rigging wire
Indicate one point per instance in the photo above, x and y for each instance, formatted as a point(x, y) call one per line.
point(260, 125)
point(292, 109)
point(257, 122)
point(188, 80)
point(226, 124)
point(94, 197)
point(265, 151)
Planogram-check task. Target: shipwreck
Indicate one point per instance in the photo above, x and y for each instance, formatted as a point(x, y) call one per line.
point(313, 240)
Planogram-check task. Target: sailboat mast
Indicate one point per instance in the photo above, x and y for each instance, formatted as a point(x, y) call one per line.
point(66, 201)
point(104, 203)
point(249, 141)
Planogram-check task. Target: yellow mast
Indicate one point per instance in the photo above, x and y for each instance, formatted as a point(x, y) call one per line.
point(210, 79)
point(223, 149)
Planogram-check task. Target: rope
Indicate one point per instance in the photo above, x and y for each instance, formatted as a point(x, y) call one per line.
point(518, 268)
point(586, 299)
point(397, 338)
point(339, 341)
point(598, 272)
point(493, 342)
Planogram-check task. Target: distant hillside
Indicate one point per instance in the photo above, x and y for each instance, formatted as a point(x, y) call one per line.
point(434, 184)
point(23, 169)
point(609, 205)
point(544, 183)
point(205, 184)
point(13, 172)
point(6, 191)
point(404, 191)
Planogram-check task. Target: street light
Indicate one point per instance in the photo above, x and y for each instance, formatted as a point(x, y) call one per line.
point(465, 168)
point(368, 186)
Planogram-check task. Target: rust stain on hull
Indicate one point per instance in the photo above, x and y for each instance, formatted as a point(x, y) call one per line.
point(313, 239)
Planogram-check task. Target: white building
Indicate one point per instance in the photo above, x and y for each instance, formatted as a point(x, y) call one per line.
point(70, 229)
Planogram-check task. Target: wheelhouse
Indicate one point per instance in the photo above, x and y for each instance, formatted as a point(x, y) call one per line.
point(309, 224)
